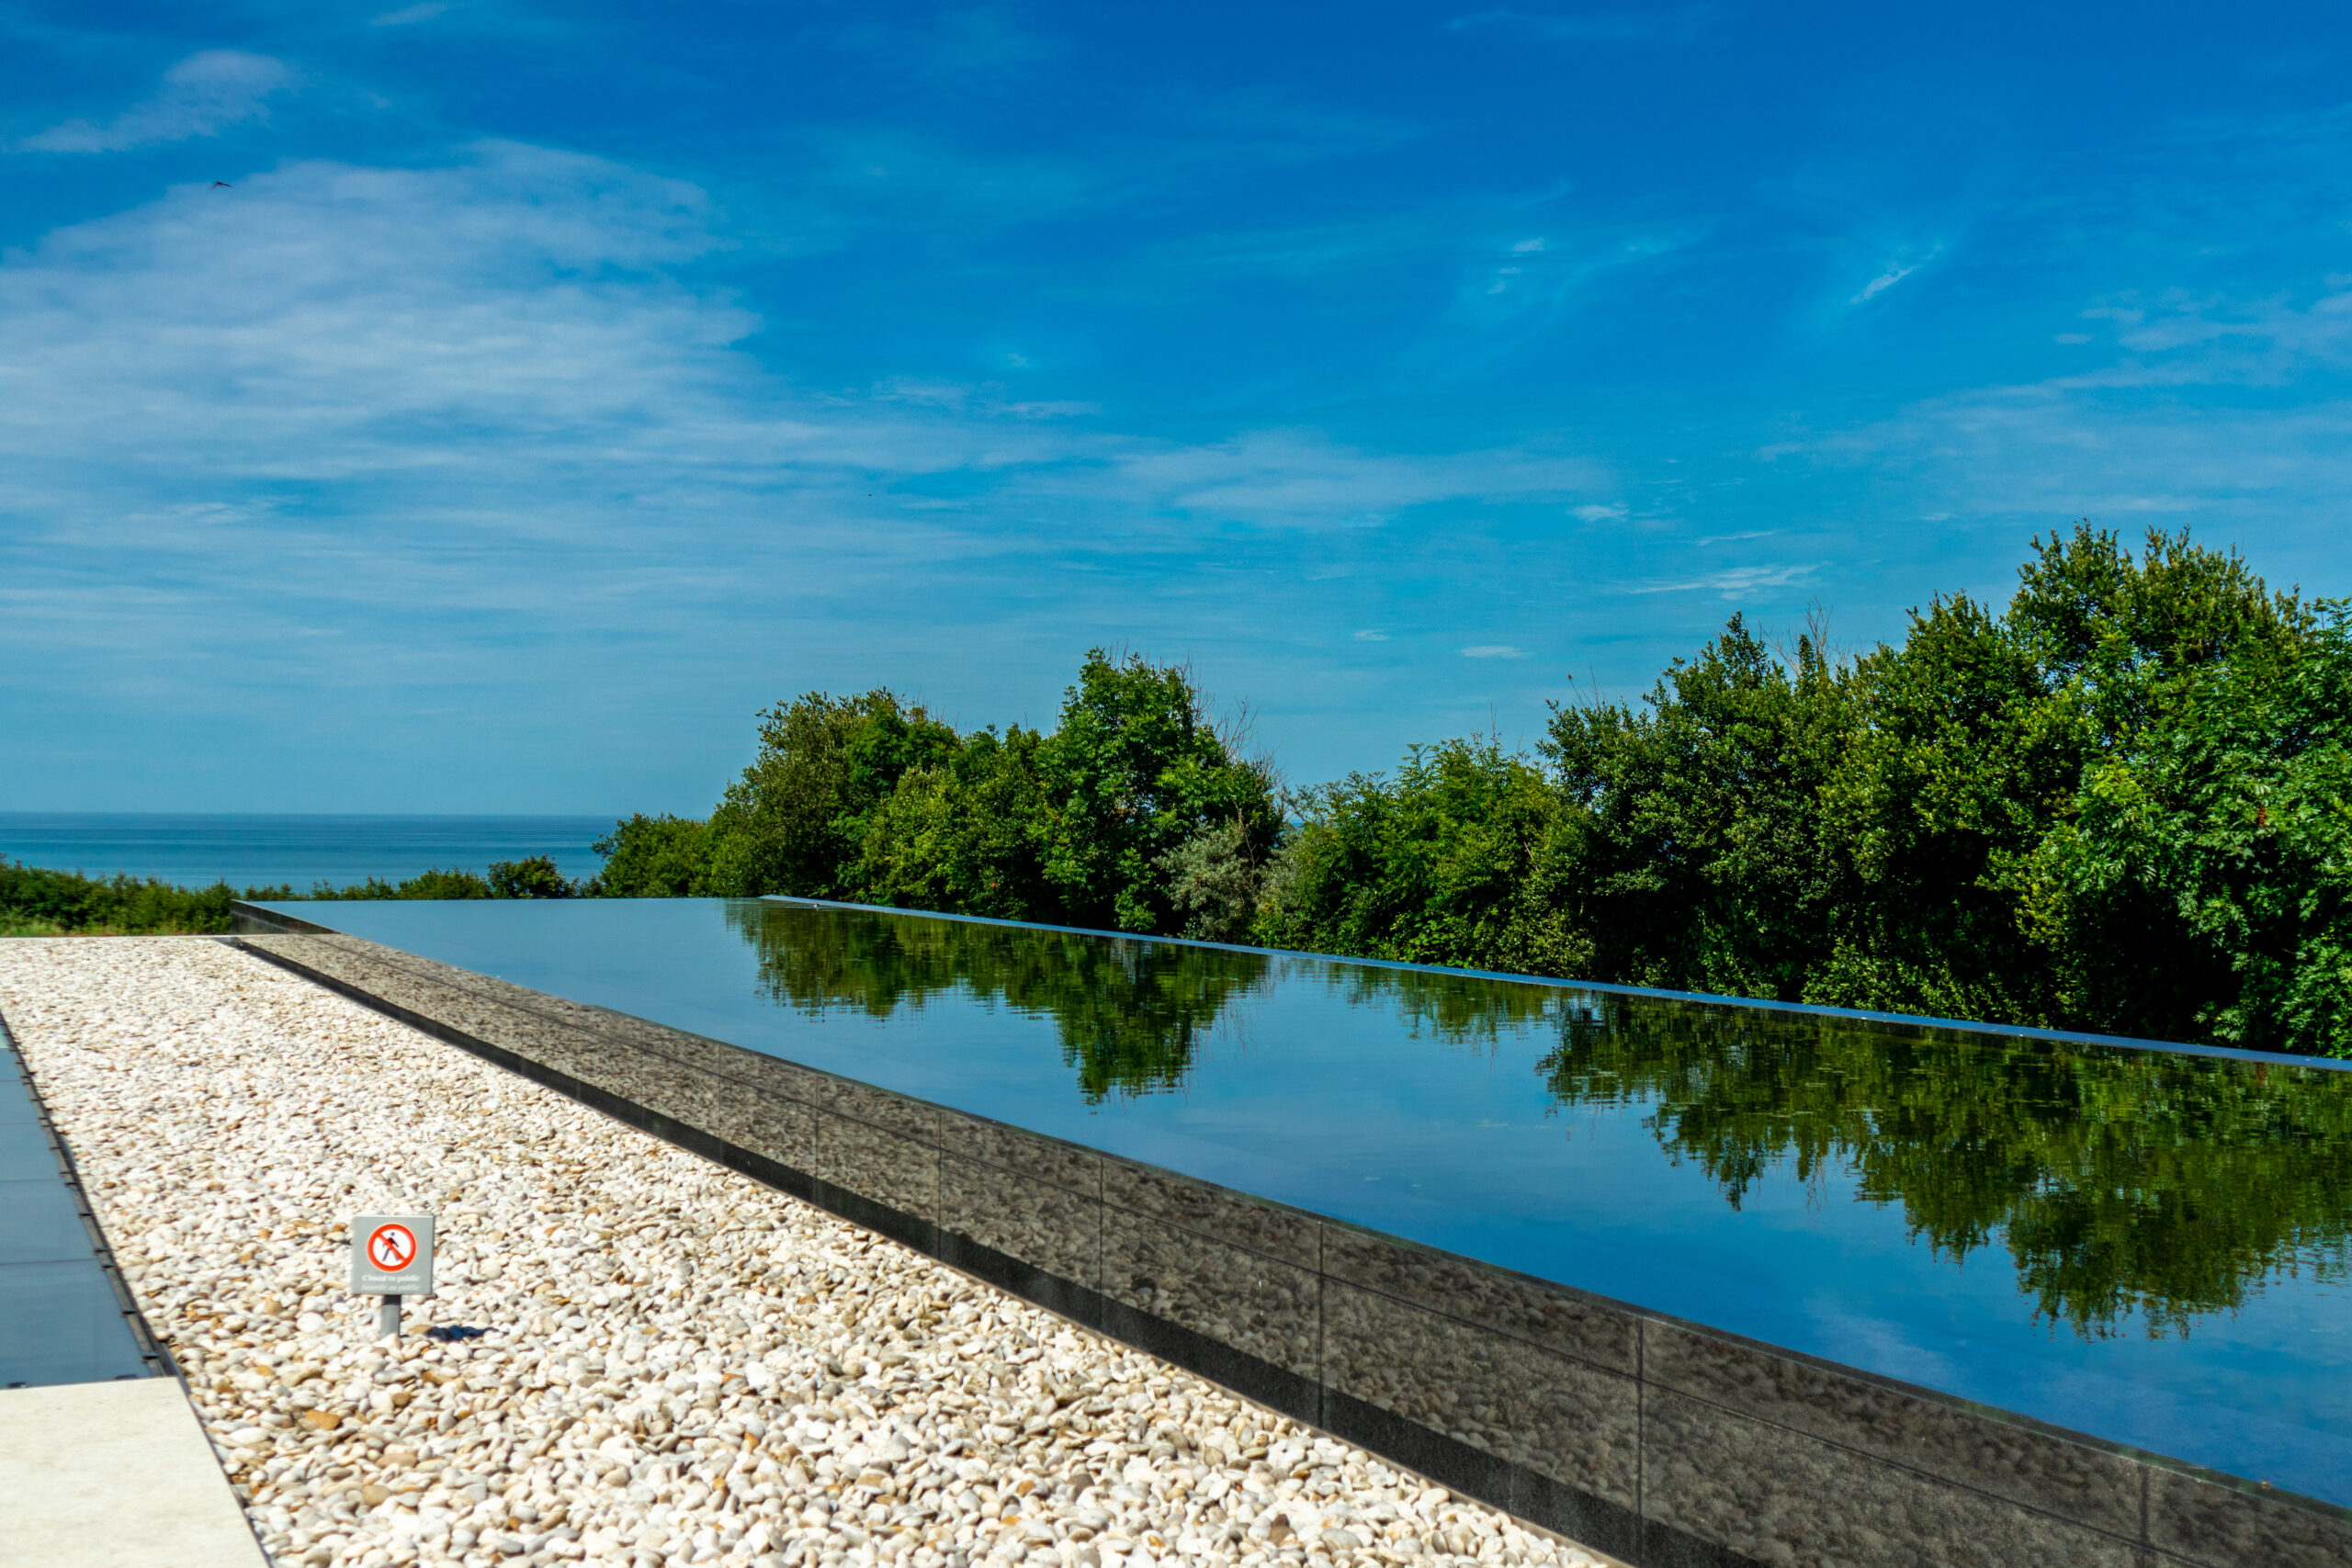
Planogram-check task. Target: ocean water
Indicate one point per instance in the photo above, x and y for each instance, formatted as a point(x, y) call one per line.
point(254, 851)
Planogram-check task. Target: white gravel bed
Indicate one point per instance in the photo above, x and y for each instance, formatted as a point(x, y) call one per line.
point(679, 1366)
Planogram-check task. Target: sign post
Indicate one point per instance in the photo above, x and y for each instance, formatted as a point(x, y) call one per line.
point(391, 1256)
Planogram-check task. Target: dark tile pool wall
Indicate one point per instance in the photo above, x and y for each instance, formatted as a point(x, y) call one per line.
point(1663, 1443)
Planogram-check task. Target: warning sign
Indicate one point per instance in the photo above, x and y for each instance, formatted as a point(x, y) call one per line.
point(392, 1247)
point(391, 1254)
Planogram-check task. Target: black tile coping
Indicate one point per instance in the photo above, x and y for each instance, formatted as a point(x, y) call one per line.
point(66, 1313)
point(1665, 1443)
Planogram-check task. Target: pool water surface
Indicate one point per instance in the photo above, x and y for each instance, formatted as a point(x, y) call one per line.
point(2148, 1246)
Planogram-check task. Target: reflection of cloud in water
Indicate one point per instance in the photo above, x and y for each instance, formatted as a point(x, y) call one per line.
point(1881, 1345)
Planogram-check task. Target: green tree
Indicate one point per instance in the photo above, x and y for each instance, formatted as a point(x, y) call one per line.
point(1460, 859)
point(1957, 766)
point(1699, 860)
point(1137, 812)
point(1977, 735)
point(795, 822)
point(962, 834)
point(653, 857)
point(2201, 887)
point(1135, 768)
point(534, 876)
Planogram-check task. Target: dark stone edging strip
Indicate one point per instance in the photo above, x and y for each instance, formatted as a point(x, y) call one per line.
point(1731, 1442)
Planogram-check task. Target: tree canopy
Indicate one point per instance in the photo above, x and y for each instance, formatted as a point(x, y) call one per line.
point(1137, 812)
point(2117, 803)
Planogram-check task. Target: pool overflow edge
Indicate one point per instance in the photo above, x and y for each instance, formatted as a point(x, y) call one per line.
point(1661, 1443)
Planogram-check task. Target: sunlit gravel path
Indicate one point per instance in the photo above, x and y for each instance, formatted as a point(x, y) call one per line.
point(680, 1365)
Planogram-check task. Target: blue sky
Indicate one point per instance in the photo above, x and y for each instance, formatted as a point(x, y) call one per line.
point(549, 388)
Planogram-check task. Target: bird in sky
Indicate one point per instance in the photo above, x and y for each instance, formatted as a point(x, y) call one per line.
point(222, 185)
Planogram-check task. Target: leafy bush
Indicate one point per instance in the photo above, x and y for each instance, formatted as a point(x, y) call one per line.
point(35, 901)
point(424, 885)
point(1456, 860)
point(651, 857)
point(2119, 804)
point(534, 876)
point(872, 800)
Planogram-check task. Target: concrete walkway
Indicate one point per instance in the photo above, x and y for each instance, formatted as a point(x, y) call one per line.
point(114, 1475)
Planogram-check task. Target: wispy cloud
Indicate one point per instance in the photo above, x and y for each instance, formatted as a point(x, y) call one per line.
point(1678, 24)
point(1493, 651)
point(1370, 635)
point(2131, 435)
point(1508, 297)
point(1472, 262)
point(408, 15)
point(1299, 478)
point(1894, 273)
point(201, 96)
point(408, 418)
point(1740, 581)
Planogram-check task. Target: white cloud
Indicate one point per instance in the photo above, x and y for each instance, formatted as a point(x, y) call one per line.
point(1895, 273)
point(1597, 513)
point(1740, 581)
point(1372, 636)
point(200, 97)
point(393, 413)
point(407, 14)
point(1291, 477)
point(1493, 651)
point(2126, 437)
point(394, 387)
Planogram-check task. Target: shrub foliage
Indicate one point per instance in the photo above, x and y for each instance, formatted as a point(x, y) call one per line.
point(2118, 802)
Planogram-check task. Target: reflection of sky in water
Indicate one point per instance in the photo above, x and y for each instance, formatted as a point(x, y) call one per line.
point(1328, 1097)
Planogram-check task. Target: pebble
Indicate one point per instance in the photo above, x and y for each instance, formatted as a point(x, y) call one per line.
point(647, 1360)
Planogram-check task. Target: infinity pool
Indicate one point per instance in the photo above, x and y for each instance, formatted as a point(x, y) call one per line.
point(2148, 1245)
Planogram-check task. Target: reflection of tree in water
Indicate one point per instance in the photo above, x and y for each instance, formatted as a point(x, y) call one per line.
point(2119, 1180)
point(1456, 1009)
point(1128, 1012)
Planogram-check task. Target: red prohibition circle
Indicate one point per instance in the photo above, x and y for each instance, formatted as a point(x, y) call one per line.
point(392, 1247)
